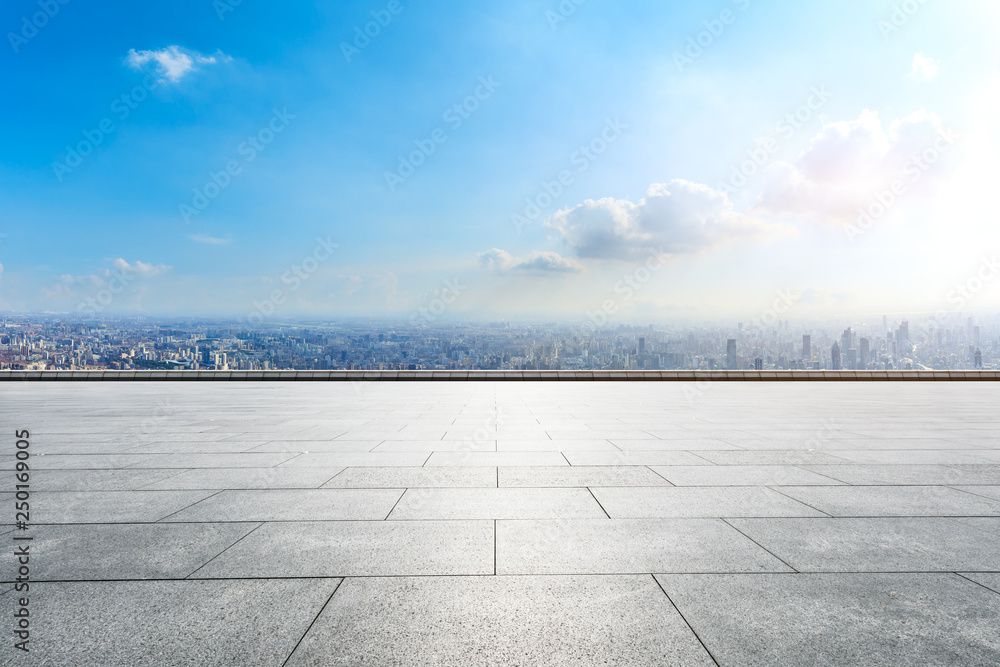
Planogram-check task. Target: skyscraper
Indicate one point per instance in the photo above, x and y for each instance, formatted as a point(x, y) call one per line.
point(852, 359)
point(835, 357)
point(806, 347)
point(979, 360)
point(731, 354)
point(865, 352)
point(847, 340)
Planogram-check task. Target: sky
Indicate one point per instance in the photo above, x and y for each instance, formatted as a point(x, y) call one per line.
point(639, 162)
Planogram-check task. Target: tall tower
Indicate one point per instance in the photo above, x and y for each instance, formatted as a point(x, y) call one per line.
point(865, 351)
point(731, 354)
point(835, 357)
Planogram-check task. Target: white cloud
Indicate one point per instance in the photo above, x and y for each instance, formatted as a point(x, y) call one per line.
point(209, 240)
point(540, 262)
point(849, 163)
point(140, 269)
point(173, 62)
point(925, 69)
point(678, 217)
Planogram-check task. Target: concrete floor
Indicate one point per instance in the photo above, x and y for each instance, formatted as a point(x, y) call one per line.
point(506, 523)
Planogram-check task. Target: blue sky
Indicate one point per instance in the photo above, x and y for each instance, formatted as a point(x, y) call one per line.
point(203, 81)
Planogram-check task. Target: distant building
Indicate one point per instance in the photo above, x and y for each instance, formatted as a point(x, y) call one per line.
point(835, 357)
point(806, 347)
point(731, 354)
point(758, 364)
point(865, 353)
point(852, 359)
point(903, 333)
point(979, 360)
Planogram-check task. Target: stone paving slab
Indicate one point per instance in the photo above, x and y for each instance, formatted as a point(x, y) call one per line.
point(866, 501)
point(359, 549)
point(125, 551)
point(247, 478)
point(583, 476)
point(292, 505)
point(916, 474)
point(991, 581)
point(105, 507)
point(496, 459)
point(637, 458)
point(992, 492)
point(879, 545)
point(628, 546)
point(881, 620)
point(414, 478)
point(506, 503)
point(101, 480)
point(128, 623)
point(713, 475)
point(489, 621)
point(357, 459)
point(704, 502)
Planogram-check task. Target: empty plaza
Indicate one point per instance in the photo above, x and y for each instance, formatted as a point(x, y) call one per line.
point(505, 523)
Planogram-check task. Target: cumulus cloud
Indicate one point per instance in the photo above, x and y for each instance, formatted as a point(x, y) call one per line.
point(502, 261)
point(849, 163)
point(674, 218)
point(925, 69)
point(209, 240)
point(173, 62)
point(140, 269)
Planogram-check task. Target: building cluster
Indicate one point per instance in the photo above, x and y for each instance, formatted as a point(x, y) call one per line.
point(39, 342)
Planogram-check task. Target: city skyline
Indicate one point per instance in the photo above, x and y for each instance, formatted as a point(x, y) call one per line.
point(522, 160)
point(32, 343)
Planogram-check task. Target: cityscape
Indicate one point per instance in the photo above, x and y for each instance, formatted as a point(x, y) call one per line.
point(133, 343)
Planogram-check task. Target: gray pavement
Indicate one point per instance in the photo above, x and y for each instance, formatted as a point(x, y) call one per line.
point(511, 523)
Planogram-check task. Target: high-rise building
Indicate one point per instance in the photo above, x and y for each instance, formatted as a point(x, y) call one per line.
point(865, 352)
point(903, 333)
point(758, 364)
point(852, 359)
point(979, 360)
point(847, 339)
point(642, 346)
point(806, 347)
point(731, 354)
point(835, 357)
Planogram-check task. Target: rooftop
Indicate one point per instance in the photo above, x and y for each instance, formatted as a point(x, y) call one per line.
point(506, 523)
